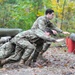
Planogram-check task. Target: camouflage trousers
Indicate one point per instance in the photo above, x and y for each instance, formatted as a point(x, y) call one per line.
point(40, 48)
point(23, 50)
point(6, 50)
point(46, 45)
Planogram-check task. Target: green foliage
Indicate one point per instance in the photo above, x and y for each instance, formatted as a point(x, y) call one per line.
point(22, 13)
point(11, 1)
point(16, 16)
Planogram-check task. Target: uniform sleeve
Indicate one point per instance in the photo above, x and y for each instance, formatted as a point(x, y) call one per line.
point(55, 28)
point(43, 36)
point(41, 24)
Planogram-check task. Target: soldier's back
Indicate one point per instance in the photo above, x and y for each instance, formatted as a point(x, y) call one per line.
point(38, 21)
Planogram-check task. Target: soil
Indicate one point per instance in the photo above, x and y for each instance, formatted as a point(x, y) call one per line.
point(59, 62)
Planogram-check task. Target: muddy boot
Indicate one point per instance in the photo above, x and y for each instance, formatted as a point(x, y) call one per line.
point(28, 62)
point(42, 58)
point(1, 65)
point(22, 62)
point(2, 62)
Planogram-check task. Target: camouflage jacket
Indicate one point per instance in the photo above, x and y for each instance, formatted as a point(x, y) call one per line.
point(32, 36)
point(42, 22)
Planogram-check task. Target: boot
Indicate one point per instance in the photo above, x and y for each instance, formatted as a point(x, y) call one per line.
point(1, 65)
point(2, 62)
point(22, 62)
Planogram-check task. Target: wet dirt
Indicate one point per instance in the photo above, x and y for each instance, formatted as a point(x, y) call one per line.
point(59, 62)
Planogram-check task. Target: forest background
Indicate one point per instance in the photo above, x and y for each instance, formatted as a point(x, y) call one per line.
point(23, 13)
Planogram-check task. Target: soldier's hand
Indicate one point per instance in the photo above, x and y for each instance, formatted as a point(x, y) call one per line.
point(54, 32)
point(66, 33)
point(59, 40)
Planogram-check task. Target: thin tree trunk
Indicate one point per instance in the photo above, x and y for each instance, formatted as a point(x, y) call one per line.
point(63, 14)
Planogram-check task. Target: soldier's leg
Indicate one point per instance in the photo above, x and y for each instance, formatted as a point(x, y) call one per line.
point(28, 51)
point(39, 48)
point(20, 45)
point(15, 57)
point(45, 47)
point(6, 50)
point(36, 53)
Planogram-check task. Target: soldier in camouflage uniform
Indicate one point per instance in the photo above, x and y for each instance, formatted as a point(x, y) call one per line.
point(6, 48)
point(42, 23)
point(26, 42)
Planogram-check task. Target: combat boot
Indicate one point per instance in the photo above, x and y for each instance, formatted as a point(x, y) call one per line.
point(22, 62)
point(1, 65)
point(4, 61)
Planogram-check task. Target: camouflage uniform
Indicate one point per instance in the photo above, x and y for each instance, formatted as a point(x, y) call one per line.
point(26, 42)
point(6, 50)
point(42, 23)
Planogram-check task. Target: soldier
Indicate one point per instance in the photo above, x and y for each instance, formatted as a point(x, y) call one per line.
point(43, 22)
point(6, 48)
point(26, 42)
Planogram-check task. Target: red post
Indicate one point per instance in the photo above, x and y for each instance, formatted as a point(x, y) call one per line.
point(70, 45)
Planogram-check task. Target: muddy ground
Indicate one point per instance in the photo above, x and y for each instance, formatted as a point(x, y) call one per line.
point(60, 62)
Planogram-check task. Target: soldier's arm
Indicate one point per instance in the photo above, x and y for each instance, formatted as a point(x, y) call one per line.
point(42, 35)
point(59, 30)
point(47, 38)
point(55, 28)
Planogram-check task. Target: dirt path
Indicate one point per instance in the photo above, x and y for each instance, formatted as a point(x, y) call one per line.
point(60, 63)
